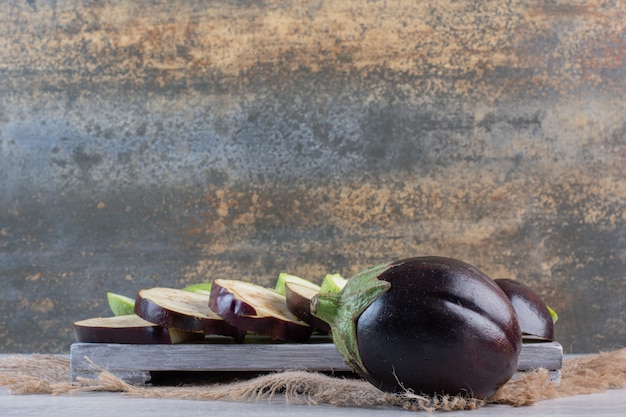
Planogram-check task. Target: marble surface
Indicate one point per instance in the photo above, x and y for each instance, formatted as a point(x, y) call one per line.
point(147, 143)
point(608, 404)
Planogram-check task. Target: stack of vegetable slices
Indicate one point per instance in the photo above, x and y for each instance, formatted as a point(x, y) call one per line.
point(229, 308)
point(433, 325)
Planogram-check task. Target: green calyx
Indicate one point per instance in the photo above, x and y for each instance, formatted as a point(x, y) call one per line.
point(342, 309)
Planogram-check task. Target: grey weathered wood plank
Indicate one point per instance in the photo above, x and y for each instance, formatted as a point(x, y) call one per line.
point(133, 363)
point(548, 355)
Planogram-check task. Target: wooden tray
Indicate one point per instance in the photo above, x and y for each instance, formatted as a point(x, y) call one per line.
point(135, 364)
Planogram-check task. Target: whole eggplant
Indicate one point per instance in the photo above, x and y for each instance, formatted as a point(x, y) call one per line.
point(533, 314)
point(431, 325)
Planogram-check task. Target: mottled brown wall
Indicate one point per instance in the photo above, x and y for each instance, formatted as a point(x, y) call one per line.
point(149, 143)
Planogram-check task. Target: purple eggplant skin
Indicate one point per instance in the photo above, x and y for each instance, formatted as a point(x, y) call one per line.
point(442, 328)
point(134, 331)
point(136, 335)
point(166, 317)
point(242, 315)
point(532, 312)
point(299, 303)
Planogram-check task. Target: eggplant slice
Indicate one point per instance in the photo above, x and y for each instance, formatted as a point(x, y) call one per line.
point(298, 299)
point(130, 329)
point(185, 310)
point(257, 309)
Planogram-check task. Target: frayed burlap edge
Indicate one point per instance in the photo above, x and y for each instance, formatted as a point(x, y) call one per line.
point(48, 374)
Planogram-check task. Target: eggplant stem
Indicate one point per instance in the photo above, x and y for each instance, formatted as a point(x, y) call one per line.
point(325, 306)
point(342, 310)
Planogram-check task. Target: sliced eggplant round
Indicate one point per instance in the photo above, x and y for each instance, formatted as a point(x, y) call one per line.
point(185, 310)
point(130, 329)
point(298, 299)
point(257, 309)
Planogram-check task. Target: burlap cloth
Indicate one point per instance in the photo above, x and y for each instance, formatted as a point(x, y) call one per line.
point(50, 374)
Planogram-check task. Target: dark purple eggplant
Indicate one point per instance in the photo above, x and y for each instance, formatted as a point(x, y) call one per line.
point(532, 312)
point(185, 310)
point(298, 298)
point(128, 329)
point(432, 325)
point(257, 309)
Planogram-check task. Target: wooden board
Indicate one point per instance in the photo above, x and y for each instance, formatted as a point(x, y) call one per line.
point(134, 363)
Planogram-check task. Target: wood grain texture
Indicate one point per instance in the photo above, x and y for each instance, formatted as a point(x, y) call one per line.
point(134, 362)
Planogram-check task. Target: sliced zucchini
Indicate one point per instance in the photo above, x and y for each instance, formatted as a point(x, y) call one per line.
point(333, 283)
point(201, 287)
point(120, 305)
point(284, 277)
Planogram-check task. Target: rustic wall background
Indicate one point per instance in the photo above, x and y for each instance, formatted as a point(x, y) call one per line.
point(148, 142)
